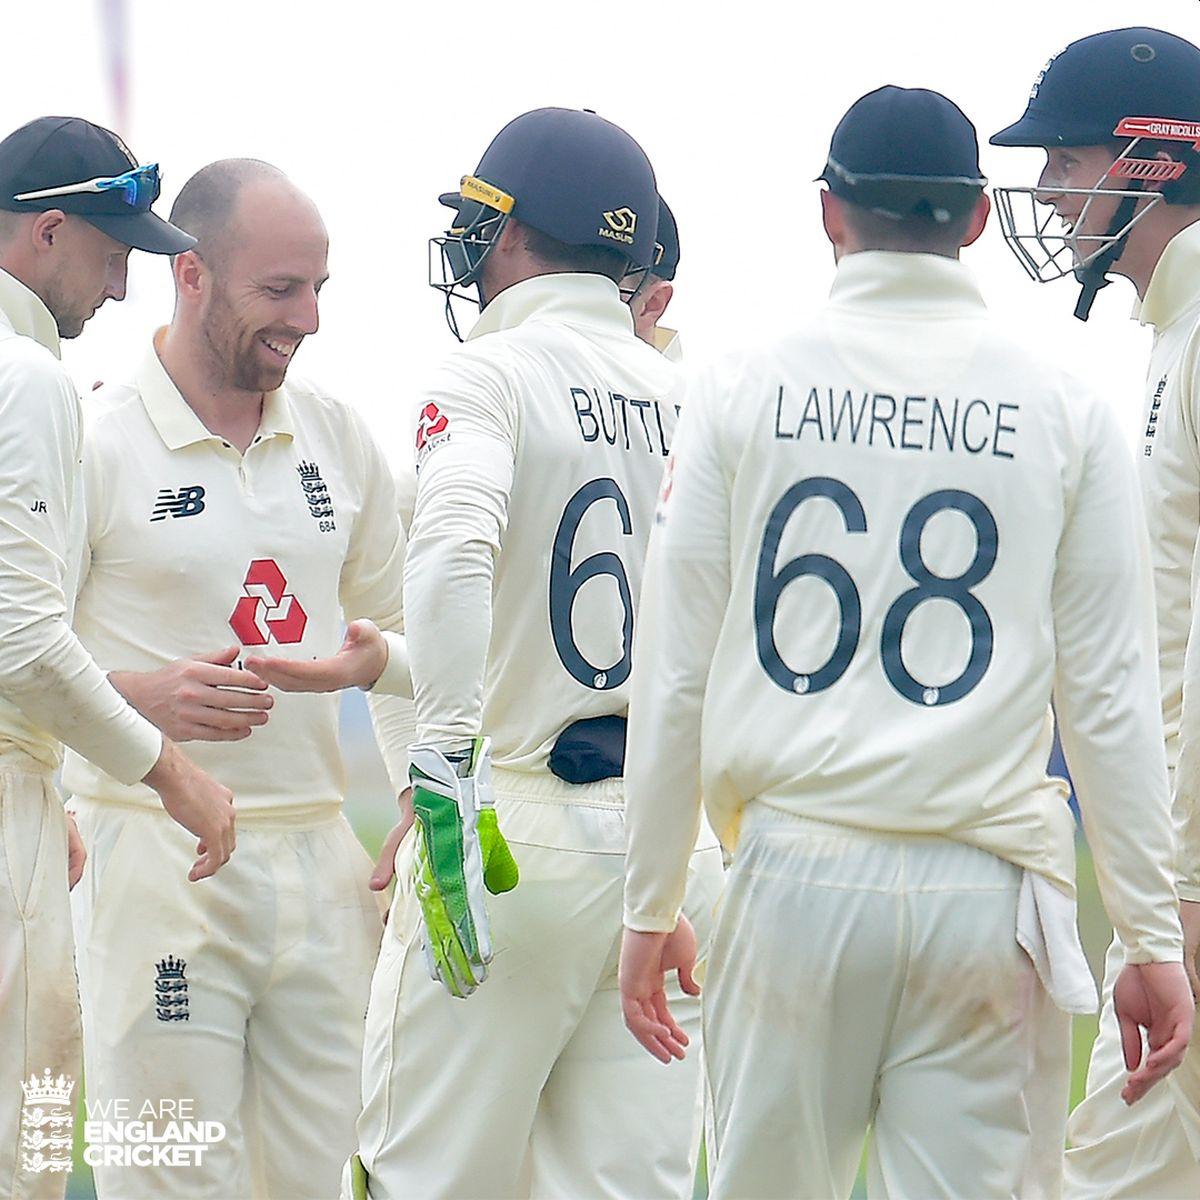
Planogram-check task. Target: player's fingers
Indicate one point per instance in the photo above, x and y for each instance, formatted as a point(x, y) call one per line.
point(687, 980)
point(235, 678)
point(229, 720)
point(650, 1035)
point(204, 867)
point(385, 864)
point(1131, 1040)
point(291, 676)
point(676, 1040)
point(222, 657)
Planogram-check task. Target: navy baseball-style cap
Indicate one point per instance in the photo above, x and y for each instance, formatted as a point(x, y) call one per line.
point(667, 237)
point(572, 175)
point(905, 152)
point(1084, 92)
point(70, 164)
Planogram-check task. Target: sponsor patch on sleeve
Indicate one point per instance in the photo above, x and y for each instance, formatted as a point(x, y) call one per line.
point(664, 492)
point(433, 430)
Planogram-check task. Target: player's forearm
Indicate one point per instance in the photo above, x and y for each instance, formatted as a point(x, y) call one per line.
point(61, 690)
point(449, 588)
point(394, 720)
point(679, 624)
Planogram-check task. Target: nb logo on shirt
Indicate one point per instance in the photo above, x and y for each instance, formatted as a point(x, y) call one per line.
point(186, 502)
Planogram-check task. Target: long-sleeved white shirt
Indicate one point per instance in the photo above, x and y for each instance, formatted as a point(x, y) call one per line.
point(887, 539)
point(1170, 461)
point(194, 546)
point(50, 689)
point(540, 448)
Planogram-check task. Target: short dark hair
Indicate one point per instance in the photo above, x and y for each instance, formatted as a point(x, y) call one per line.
point(205, 203)
point(589, 260)
point(917, 233)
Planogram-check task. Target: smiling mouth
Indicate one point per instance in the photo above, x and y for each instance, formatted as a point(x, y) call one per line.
point(281, 350)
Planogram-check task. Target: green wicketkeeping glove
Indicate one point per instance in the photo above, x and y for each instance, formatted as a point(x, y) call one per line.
point(460, 852)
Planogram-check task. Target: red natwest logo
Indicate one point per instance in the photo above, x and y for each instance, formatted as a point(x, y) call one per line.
point(431, 426)
point(268, 611)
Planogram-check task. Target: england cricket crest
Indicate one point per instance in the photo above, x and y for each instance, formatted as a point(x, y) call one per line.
point(171, 990)
point(46, 1123)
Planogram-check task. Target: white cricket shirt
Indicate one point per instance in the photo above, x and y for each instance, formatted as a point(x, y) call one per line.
point(50, 689)
point(1170, 461)
point(887, 539)
point(540, 448)
point(194, 545)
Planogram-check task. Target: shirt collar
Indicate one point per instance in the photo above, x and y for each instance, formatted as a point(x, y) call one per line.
point(174, 418)
point(573, 299)
point(921, 285)
point(666, 342)
point(23, 311)
point(1175, 284)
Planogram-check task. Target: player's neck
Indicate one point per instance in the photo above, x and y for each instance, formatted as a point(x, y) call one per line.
point(229, 412)
point(1149, 239)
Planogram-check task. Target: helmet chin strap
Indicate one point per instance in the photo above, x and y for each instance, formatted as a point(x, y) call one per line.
point(1094, 276)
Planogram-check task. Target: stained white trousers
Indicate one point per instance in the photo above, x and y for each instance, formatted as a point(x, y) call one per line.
point(861, 979)
point(532, 1086)
point(265, 1035)
point(39, 1001)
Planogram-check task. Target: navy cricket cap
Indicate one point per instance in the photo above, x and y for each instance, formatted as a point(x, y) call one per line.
point(573, 176)
point(54, 152)
point(1084, 92)
point(668, 238)
point(904, 152)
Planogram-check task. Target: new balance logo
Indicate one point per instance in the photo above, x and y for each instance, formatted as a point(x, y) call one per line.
point(171, 990)
point(186, 502)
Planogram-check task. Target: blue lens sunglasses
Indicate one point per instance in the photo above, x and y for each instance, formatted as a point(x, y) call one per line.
point(138, 188)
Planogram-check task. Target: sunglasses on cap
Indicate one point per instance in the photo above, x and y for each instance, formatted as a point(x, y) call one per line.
point(138, 188)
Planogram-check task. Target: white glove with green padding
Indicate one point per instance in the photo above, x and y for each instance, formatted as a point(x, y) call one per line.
point(460, 855)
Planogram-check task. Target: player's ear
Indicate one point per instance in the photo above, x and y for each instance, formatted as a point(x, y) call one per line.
point(657, 300)
point(188, 269)
point(979, 218)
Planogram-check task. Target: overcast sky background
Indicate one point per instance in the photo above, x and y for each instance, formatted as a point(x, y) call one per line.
point(374, 108)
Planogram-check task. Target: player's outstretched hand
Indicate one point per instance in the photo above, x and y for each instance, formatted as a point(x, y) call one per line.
point(359, 663)
point(1189, 918)
point(1155, 997)
point(76, 853)
point(202, 699)
point(385, 864)
point(195, 800)
point(645, 960)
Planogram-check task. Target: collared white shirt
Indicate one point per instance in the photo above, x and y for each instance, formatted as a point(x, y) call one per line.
point(540, 449)
point(1170, 462)
point(50, 689)
point(886, 538)
point(195, 546)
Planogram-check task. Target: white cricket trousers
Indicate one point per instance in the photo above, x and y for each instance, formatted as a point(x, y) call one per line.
point(242, 995)
point(39, 1002)
point(532, 1086)
point(861, 979)
point(1147, 1151)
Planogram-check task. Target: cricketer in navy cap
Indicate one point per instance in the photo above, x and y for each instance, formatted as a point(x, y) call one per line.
point(903, 152)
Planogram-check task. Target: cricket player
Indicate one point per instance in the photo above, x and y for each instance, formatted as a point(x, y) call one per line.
point(540, 448)
point(1122, 177)
point(886, 539)
point(73, 201)
point(654, 287)
point(261, 513)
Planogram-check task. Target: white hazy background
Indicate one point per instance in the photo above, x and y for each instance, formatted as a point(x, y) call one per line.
point(374, 108)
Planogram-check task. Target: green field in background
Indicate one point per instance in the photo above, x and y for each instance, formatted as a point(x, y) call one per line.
point(371, 810)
